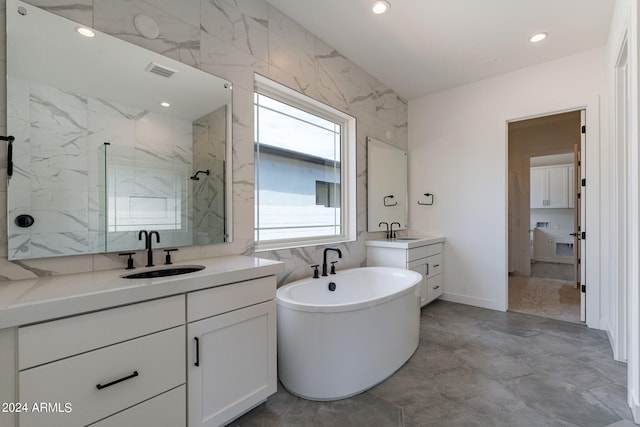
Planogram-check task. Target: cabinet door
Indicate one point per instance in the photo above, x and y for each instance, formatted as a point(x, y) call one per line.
point(231, 363)
point(558, 187)
point(419, 266)
point(538, 192)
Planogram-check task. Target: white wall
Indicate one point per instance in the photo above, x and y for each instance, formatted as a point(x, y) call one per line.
point(457, 150)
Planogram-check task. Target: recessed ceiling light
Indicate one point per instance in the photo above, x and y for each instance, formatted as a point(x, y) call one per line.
point(165, 104)
point(380, 6)
point(538, 37)
point(84, 31)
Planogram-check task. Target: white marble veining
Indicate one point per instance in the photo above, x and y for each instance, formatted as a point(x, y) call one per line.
point(34, 300)
point(233, 39)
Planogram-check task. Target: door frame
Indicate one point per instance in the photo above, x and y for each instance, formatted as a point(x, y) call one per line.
point(591, 193)
point(624, 249)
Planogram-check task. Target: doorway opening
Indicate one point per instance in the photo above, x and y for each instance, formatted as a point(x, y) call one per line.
point(544, 236)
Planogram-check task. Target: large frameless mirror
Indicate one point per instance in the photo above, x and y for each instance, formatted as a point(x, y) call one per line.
point(386, 186)
point(110, 138)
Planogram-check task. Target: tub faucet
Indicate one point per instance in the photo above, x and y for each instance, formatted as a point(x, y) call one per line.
point(392, 234)
point(148, 245)
point(324, 259)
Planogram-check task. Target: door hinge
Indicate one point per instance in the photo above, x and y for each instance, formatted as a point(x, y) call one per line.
point(578, 195)
point(584, 235)
point(583, 129)
point(583, 289)
point(578, 260)
point(584, 182)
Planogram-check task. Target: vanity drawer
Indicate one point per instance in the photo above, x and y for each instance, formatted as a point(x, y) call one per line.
point(221, 299)
point(434, 287)
point(153, 364)
point(434, 249)
point(167, 410)
point(434, 263)
point(416, 253)
point(46, 342)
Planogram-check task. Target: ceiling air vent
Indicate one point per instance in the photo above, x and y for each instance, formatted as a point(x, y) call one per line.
point(160, 70)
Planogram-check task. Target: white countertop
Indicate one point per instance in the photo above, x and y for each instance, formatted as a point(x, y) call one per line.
point(406, 242)
point(35, 300)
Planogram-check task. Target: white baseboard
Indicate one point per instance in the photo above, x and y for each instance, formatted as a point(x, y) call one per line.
point(469, 300)
point(555, 260)
point(634, 405)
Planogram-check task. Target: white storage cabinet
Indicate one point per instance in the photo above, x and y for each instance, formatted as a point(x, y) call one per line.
point(127, 361)
point(231, 350)
point(551, 187)
point(125, 366)
point(426, 260)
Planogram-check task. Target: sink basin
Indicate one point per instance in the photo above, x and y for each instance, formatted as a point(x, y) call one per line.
point(409, 238)
point(163, 272)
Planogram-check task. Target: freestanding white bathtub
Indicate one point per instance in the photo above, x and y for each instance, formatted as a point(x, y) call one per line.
point(335, 344)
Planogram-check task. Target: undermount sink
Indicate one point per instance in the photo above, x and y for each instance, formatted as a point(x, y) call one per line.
point(163, 272)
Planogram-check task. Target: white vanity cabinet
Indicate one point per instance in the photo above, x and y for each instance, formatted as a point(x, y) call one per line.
point(231, 350)
point(86, 368)
point(421, 255)
point(98, 349)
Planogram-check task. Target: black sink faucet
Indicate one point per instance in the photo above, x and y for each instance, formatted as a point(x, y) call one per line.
point(387, 224)
point(392, 234)
point(148, 236)
point(324, 259)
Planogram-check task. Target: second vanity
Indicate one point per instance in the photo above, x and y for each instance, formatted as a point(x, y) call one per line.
point(421, 254)
point(94, 348)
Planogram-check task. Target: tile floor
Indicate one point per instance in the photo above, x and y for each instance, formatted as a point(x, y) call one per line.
point(552, 270)
point(477, 367)
point(553, 298)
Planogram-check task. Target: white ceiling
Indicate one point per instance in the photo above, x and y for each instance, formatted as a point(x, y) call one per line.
point(424, 46)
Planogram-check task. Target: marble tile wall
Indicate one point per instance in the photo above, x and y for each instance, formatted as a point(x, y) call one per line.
point(69, 129)
point(209, 151)
point(234, 39)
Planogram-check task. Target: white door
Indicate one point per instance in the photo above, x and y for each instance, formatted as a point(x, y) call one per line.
point(574, 202)
point(582, 212)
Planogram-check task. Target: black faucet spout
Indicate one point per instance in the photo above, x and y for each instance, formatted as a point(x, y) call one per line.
point(324, 259)
point(148, 244)
point(392, 234)
point(387, 224)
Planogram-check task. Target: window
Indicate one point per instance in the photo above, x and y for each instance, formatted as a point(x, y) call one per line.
point(305, 169)
point(328, 194)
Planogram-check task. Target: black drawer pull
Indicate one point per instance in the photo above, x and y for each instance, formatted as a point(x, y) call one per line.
point(436, 265)
point(197, 351)
point(100, 386)
point(436, 287)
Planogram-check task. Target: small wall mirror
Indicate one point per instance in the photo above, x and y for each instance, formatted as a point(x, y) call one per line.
point(386, 186)
point(110, 138)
